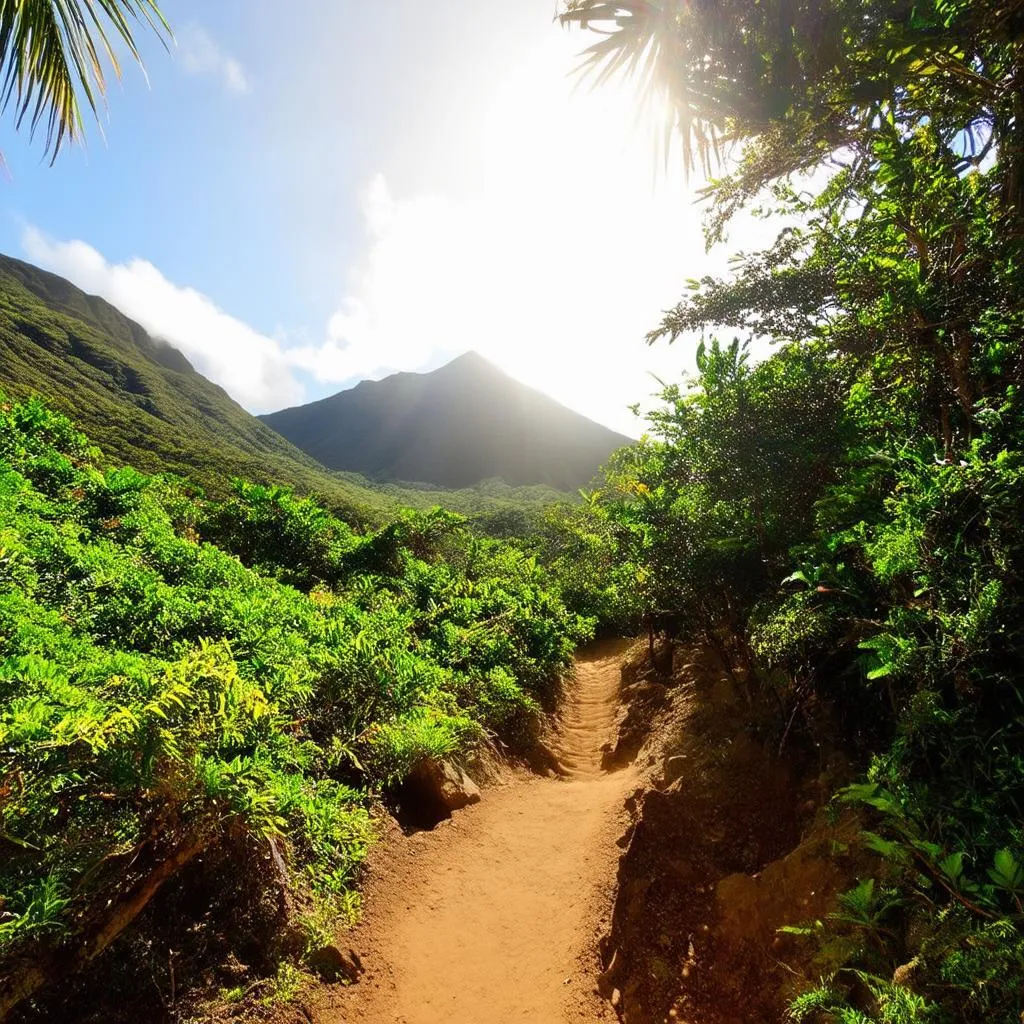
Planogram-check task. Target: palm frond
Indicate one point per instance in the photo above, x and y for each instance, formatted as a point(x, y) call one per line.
point(654, 43)
point(52, 56)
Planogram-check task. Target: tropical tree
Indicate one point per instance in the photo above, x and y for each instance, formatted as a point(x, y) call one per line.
point(52, 56)
point(848, 510)
point(810, 79)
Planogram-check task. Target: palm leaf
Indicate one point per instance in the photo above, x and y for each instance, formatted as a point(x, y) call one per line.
point(52, 55)
point(660, 43)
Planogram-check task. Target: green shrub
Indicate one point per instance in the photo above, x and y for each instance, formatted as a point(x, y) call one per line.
point(178, 674)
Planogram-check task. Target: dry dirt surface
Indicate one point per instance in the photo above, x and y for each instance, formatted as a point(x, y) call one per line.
point(494, 915)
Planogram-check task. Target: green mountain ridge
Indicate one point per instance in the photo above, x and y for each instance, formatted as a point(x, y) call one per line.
point(141, 400)
point(455, 426)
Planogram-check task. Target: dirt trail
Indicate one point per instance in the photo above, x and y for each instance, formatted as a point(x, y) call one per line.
point(493, 916)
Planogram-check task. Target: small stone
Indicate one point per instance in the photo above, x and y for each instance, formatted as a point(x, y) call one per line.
point(445, 784)
point(331, 964)
point(616, 999)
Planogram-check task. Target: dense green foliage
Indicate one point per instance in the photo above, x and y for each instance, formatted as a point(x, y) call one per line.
point(178, 674)
point(844, 519)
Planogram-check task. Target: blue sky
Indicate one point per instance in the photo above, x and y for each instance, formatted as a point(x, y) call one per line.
point(302, 200)
point(249, 197)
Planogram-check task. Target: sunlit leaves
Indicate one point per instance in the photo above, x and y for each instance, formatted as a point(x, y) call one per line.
point(156, 690)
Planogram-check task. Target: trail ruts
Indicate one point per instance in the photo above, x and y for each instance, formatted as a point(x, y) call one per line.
point(493, 915)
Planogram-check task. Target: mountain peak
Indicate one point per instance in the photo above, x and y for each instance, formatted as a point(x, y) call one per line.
point(468, 357)
point(471, 361)
point(458, 425)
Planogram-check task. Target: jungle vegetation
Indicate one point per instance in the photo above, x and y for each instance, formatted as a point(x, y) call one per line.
point(843, 518)
point(183, 677)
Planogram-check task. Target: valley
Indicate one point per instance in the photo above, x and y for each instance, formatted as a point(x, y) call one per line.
point(143, 403)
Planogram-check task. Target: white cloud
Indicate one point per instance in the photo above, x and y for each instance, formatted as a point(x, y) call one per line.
point(203, 57)
point(555, 270)
point(250, 366)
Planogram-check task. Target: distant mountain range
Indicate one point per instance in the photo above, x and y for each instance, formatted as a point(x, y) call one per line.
point(454, 427)
point(142, 401)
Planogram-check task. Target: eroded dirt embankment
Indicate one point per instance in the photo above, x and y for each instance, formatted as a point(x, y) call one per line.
point(494, 915)
point(729, 842)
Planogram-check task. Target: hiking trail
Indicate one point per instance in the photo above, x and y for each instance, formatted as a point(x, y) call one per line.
point(494, 914)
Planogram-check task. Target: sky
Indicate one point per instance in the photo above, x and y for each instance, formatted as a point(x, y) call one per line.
point(300, 201)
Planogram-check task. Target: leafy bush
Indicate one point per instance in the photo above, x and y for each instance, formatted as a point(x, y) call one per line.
point(178, 674)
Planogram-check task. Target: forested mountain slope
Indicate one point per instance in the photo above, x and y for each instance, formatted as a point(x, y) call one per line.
point(142, 402)
point(456, 426)
point(139, 398)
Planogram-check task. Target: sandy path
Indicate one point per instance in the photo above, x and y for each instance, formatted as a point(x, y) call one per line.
point(492, 916)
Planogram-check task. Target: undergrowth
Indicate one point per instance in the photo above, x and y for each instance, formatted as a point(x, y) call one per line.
point(180, 675)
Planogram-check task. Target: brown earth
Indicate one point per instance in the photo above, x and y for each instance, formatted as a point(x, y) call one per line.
point(494, 915)
point(730, 840)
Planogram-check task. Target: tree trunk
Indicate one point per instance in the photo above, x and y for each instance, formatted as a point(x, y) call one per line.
point(29, 978)
point(1011, 151)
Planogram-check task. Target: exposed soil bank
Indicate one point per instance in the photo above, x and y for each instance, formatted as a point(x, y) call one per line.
point(728, 844)
point(495, 914)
